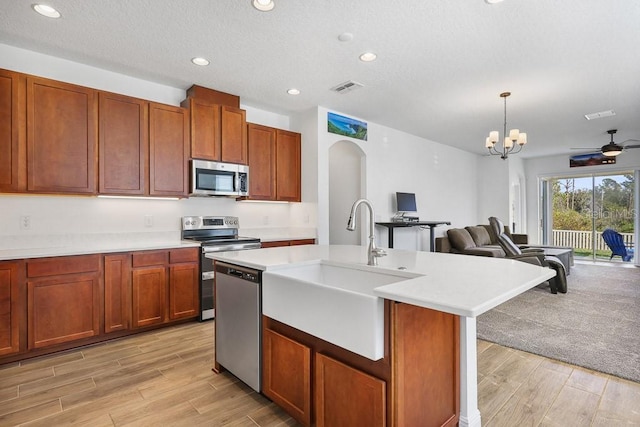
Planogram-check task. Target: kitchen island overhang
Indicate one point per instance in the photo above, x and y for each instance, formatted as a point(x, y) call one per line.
point(462, 286)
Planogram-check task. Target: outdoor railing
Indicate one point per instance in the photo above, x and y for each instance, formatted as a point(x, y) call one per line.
point(582, 239)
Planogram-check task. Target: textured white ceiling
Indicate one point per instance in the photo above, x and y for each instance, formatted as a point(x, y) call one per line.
point(440, 68)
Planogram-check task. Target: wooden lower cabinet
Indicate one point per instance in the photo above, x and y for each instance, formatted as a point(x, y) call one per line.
point(117, 292)
point(416, 383)
point(12, 306)
point(184, 299)
point(58, 303)
point(425, 367)
point(347, 397)
point(149, 296)
point(165, 286)
point(279, 243)
point(286, 375)
point(63, 299)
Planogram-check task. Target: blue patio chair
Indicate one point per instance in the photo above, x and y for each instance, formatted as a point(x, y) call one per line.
point(614, 240)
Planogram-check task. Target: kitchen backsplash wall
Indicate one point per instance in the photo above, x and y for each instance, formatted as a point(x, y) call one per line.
point(42, 215)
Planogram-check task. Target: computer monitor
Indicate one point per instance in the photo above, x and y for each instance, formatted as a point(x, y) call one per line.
point(406, 202)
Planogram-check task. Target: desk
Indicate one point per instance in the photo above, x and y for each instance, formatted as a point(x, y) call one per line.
point(431, 224)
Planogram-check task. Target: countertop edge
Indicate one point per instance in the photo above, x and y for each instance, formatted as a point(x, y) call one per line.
point(29, 253)
point(387, 292)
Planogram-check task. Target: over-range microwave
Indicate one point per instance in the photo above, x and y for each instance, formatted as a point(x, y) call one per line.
point(219, 179)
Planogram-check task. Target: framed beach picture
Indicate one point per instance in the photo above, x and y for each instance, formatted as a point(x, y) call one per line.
point(346, 126)
point(590, 159)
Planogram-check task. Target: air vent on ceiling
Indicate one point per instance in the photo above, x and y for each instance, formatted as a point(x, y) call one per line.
point(599, 115)
point(347, 86)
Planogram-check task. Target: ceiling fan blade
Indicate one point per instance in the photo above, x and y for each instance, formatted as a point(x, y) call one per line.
point(585, 148)
point(632, 146)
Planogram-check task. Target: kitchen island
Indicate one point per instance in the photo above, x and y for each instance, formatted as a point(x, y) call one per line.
point(460, 287)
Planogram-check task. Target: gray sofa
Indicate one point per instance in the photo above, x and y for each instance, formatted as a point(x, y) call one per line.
point(477, 240)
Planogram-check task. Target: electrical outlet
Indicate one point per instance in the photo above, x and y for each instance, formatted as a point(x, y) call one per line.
point(148, 220)
point(25, 222)
point(265, 220)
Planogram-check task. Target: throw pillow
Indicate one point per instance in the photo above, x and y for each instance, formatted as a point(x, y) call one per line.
point(460, 239)
point(480, 235)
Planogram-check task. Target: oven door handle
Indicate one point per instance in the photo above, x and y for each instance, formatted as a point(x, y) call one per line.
point(208, 275)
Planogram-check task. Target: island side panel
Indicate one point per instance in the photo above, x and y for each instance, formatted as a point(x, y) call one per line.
point(425, 366)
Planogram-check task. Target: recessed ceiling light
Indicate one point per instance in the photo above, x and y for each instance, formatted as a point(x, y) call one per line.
point(263, 5)
point(493, 1)
point(368, 57)
point(293, 91)
point(46, 10)
point(200, 61)
point(345, 37)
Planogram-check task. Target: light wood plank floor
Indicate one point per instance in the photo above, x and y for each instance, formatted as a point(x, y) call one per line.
point(164, 378)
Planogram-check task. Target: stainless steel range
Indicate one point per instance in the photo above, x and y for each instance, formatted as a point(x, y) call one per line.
point(216, 234)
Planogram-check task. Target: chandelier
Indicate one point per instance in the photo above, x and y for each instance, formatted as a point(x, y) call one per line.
point(513, 142)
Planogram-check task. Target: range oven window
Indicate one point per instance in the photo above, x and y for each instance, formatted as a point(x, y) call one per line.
point(215, 180)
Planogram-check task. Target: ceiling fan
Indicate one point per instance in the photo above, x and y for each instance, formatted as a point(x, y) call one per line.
point(612, 149)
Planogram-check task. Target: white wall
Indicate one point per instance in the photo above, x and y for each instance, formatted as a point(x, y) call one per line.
point(443, 178)
point(69, 214)
point(345, 178)
point(557, 166)
point(493, 189)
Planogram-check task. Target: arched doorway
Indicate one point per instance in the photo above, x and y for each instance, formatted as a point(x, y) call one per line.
point(346, 171)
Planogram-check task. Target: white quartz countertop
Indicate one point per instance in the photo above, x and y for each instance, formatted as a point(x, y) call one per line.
point(459, 284)
point(69, 244)
point(278, 234)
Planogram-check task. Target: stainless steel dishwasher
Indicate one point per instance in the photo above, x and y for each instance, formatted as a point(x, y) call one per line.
point(238, 322)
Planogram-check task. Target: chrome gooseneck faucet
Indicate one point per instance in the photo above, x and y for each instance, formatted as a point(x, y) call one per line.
point(373, 252)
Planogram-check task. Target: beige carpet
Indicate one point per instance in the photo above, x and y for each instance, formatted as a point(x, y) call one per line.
point(596, 324)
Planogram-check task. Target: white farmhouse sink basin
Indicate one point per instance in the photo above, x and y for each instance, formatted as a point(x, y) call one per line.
point(331, 301)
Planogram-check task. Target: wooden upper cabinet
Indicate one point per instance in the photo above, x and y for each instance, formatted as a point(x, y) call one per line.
point(233, 135)
point(218, 132)
point(12, 147)
point(274, 163)
point(288, 147)
point(261, 141)
point(123, 145)
point(205, 129)
point(61, 137)
point(168, 150)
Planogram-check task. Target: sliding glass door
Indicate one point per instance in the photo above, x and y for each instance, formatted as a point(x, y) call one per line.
point(581, 208)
